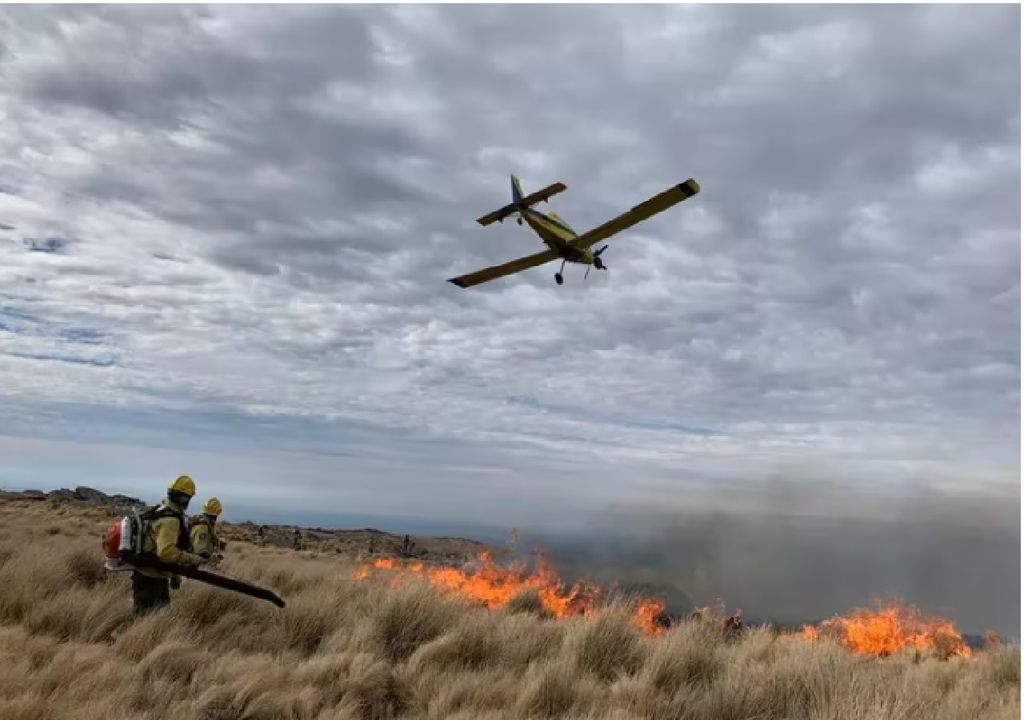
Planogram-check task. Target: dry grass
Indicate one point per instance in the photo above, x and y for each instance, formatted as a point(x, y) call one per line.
point(348, 650)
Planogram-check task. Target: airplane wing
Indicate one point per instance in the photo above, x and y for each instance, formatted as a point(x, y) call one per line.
point(531, 199)
point(536, 197)
point(659, 203)
point(499, 214)
point(497, 271)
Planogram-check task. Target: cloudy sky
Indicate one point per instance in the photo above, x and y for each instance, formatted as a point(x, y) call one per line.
point(225, 234)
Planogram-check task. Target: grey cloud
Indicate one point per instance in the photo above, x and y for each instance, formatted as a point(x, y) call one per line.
point(63, 359)
point(185, 61)
point(47, 245)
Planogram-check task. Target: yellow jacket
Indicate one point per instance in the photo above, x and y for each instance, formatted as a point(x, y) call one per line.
point(204, 539)
point(164, 538)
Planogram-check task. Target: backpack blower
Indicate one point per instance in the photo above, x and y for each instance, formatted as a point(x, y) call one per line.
point(122, 546)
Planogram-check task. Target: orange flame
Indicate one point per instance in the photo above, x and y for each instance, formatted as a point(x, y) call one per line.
point(494, 587)
point(646, 616)
point(889, 629)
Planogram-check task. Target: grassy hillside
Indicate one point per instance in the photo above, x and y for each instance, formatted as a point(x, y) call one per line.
point(344, 648)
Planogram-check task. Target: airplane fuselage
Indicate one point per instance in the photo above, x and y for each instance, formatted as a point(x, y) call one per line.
point(557, 235)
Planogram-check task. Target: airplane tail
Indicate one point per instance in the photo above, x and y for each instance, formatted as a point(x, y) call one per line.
point(520, 201)
point(517, 192)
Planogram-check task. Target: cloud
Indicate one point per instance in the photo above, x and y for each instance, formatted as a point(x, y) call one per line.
point(265, 208)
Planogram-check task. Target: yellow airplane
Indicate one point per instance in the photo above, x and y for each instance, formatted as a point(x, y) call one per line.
point(562, 240)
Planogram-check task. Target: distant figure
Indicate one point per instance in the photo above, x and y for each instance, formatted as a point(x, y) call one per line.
point(297, 539)
point(702, 613)
point(732, 628)
point(165, 538)
point(406, 547)
point(205, 542)
point(260, 539)
point(372, 548)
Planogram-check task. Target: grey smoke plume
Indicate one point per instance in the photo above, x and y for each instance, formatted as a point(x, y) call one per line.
point(800, 551)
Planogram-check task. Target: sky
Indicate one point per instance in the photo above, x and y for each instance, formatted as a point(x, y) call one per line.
point(225, 235)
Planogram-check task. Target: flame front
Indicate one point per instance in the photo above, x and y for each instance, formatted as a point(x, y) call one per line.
point(889, 629)
point(494, 587)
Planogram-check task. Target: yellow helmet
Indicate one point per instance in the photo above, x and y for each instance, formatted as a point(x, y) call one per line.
point(183, 484)
point(212, 507)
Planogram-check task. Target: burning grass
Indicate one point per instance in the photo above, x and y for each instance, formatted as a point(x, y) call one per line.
point(492, 586)
point(415, 648)
point(891, 628)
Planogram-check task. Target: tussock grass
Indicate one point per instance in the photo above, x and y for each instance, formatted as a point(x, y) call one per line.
point(528, 601)
point(470, 645)
point(345, 650)
point(549, 691)
point(607, 646)
point(409, 617)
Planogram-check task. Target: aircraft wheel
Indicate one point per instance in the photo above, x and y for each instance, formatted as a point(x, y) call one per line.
point(519, 221)
point(558, 278)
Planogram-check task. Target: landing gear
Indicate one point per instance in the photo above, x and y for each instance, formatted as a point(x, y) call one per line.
point(519, 221)
point(558, 275)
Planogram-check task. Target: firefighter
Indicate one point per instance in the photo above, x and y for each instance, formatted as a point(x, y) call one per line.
point(165, 537)
point(203, 532)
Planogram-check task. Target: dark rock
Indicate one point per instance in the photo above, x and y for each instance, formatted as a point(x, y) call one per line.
point(125, 500)
point(92, 496)
point(81, 495)
point(62, 495)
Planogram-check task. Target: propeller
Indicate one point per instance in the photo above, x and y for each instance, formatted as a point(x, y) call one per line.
point(598, 263)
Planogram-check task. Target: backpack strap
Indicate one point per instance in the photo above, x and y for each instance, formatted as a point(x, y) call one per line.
point(162, 511)
point(158, 511)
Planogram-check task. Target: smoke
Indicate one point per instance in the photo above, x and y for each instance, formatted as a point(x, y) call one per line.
point(795, 551)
